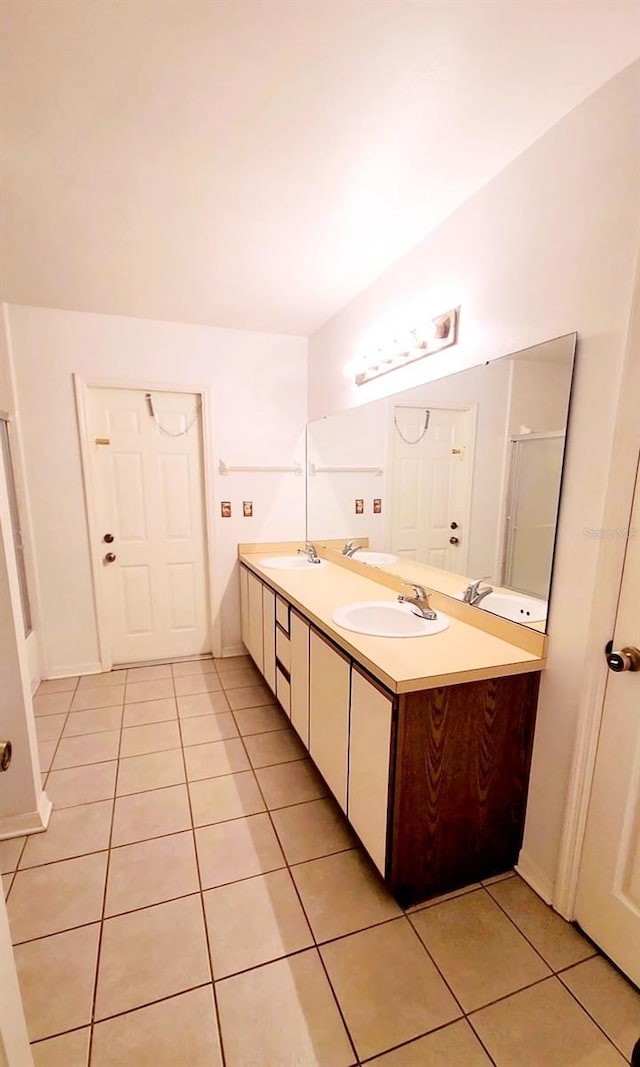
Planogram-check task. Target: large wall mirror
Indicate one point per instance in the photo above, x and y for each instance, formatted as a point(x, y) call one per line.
point(454, 480)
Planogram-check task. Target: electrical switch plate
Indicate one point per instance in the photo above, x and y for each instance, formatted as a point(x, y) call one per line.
point(377, 506)
point(247, 508)
point(225, 509)
point(359, 507)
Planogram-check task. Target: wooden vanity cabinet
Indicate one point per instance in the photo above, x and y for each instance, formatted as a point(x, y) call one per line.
point(433, 782)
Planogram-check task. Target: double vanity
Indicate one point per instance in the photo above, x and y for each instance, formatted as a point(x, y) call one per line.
point(424, 738)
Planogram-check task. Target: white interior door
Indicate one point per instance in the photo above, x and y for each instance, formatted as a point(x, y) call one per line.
point(608, 899)
point(431, 482)
point(147, 476)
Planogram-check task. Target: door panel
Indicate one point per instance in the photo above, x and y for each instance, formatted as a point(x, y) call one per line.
point(329, 715)
point(608, 899)
point(149, 495)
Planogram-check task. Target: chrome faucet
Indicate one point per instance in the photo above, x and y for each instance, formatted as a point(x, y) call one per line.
point(350, 548)
point(309, 551)
point(420, 602)
point(473, 594)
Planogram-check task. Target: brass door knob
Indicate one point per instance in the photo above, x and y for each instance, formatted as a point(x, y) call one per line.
point(110, 557)
point(5, 755)
point(627, 659)
point(454, 540)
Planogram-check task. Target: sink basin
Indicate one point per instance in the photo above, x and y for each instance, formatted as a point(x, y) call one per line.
point(513, 606)
point(374, 559)
point(291, 563)
point(387, 618)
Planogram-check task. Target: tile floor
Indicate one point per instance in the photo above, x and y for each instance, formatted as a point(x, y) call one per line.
point(198, 900)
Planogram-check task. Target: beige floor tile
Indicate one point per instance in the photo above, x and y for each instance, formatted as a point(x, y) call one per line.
point(149, 674)
point(278, 746)
point(150, 711)
point(142, 816)
point(158, 690)
point(93, 722)
point(71, 832)
point(151, 872)
point(103, 697)
point(156, 737)
point(308, 831)
point(49, 727)
point(65, 963)
point(82, 785)
point(192, 666)
point(342, 894)
point(68, 1050)
point(253, 922)
point(46, 900)
point(57, 685)
point(609, 998)
point(215, 759)
point(89, 748)
point(150, 954)
point(387, 987)
point(97, 681)
point(478, 950)
point(202, 704)
point(137, 774)
point(189, 684)
point(180, 1031)
point(10, 850)
point(261, 720)
point(207, 728)
point(7, 882)
point(290, 783)
point(249, 696)
point(240, 679)
point(442, 897)
point(286, 1011)
point(46, 752)
point(232, 663)
point(52, 703)
point(242, 848)
point(229, 797)
point(556, 940)
point(455, 1045)
point(498, 878)
point(543, 1025)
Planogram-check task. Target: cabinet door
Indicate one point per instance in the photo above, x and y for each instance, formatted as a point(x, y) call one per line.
point(255, 624)
point(329, 715)
point(300, 676)
point(244, 606)
point(269, 636)
point(369, 748)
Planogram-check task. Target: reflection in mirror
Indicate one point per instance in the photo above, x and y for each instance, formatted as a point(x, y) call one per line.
point(460, 479)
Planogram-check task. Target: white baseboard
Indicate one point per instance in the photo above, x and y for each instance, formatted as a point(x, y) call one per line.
point(75, 669)
point(534, 877)
point(30, 822)
point(234, 650)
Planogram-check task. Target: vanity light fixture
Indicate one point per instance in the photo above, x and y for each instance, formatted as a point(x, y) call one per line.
point(438, 334)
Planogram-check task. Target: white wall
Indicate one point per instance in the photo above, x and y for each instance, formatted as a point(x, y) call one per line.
point(257, 394)
point(539, 392)
point(547, 247)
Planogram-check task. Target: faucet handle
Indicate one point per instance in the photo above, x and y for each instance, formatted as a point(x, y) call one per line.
point(475, 582)
point(418, 590)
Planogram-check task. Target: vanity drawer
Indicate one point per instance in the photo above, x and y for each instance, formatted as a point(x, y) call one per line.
point(283, 691)
point(282, 614)
point(283, 649)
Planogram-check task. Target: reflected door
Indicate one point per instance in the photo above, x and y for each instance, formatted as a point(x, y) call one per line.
point(149, 517)
point(431, 485)
point(608, 899)
point(532, 506)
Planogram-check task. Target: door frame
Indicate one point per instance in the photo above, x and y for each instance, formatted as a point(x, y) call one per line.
point(81, 390)
point(625, 454)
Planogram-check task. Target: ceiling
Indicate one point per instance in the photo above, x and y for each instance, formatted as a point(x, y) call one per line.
point(257, 163)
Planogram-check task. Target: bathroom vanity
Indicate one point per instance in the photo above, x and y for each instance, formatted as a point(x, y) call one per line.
point(424, 742)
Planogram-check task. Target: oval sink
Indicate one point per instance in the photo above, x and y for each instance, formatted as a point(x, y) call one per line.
point(513, 606)
point(387, 618)
point(374, 559)
point(291, 563)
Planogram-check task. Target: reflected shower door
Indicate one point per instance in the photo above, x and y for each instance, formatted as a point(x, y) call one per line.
point(532, 502)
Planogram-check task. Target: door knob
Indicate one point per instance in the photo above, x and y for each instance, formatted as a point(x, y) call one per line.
point(108, 538)
point(627, 659)
point(5, 755)
point(110, 557)
point(454, 540)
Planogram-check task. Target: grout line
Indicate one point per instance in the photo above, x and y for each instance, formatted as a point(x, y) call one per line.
point(202, 907)
point(104, 904)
